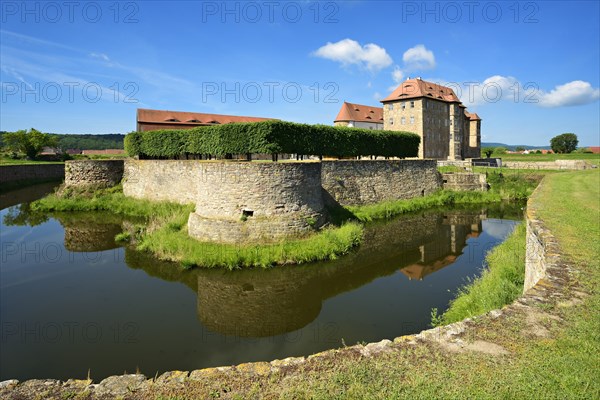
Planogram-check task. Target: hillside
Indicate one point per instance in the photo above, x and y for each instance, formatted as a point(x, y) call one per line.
point(512, 147)
point(86, 142)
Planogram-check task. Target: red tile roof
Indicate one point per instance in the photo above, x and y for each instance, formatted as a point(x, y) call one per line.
point(359, 112)
point(189, 118)
point(107, 151)
point(472, 116)
point(417, 88)
point(594, 149)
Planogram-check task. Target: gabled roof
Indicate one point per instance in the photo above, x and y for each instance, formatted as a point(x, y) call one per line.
point(360, 113)
point(472, 116)
point(190, 118)
point(417, 88)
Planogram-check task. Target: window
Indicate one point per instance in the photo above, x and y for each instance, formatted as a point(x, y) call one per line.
point(391, 107)
point(391, 121)
point(403, 105)
point(402, 121)
point(412, 104)
point(412, 119)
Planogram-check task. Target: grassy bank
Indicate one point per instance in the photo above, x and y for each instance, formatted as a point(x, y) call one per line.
point(499, 284)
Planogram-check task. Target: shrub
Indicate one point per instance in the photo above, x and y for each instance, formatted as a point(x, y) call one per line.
point(271, 137)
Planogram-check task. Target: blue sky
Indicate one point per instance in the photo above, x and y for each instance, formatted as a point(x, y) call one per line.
point(529, 69)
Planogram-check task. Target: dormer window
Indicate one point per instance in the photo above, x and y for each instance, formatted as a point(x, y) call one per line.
point(194, 120)
point(172, 120)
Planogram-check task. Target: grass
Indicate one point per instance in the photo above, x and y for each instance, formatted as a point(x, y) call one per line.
point(499, 284)
point(171, 242)
point(12, 161)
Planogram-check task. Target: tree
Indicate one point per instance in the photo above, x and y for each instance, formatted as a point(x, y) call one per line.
point(519, 148)
point(487, 151)
point(500, 150)
point(565, 143)
point(29, 142)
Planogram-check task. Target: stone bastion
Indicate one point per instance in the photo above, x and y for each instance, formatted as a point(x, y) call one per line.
point(93, 172)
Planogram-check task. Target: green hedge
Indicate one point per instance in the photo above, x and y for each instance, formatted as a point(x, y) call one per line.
point(271, 137)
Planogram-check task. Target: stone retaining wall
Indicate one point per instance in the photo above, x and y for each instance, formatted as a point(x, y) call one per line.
point(464, 181)
point(542, 248)
point(553, 165)
point(369, 182)
point(31, 172)
point(93, 172)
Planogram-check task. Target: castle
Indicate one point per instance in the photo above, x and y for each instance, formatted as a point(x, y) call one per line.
point(432, 111)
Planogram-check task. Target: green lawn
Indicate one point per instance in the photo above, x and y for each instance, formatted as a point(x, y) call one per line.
point(10, 161)
point(563, 363)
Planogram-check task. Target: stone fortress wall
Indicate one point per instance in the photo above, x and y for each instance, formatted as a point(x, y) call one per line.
point(242, 201)
point(31, 172)
point(93, 172)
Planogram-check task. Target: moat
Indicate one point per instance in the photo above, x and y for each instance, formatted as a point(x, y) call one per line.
point(74, 301)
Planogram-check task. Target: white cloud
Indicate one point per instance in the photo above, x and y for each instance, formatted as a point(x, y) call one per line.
point(418, 58)
point(377, 96)
point(498, 87)
point(100, 56)
point(397, 75)
point(570, 94)
point(348, 52)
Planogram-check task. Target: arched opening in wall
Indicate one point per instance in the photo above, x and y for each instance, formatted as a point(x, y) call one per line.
point(247, 213)
point(423, 192)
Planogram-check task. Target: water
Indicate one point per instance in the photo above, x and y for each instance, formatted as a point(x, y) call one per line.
point(71, 300)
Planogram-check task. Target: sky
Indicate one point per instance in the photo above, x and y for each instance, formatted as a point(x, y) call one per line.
point(530, 70)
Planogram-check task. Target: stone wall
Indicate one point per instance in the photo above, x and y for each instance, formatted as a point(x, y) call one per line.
point(235, 201)
point(464, 181)
point(31, 172)
point(557, 164)
point(93, 172)
point(367, 182)
point(542, 251)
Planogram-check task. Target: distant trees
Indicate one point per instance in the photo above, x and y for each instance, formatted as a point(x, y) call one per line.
point(565, 143)
point(90, 142)
point(488, 151)
point(500, 150)
point(519, 148)
point(29, 142)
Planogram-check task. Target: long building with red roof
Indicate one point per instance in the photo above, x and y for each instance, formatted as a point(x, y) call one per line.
point(360, 116)
point(151, 120)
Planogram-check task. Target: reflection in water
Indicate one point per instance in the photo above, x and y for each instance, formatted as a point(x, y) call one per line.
point(26, 194)
point(261, 303)
point(88, 232)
